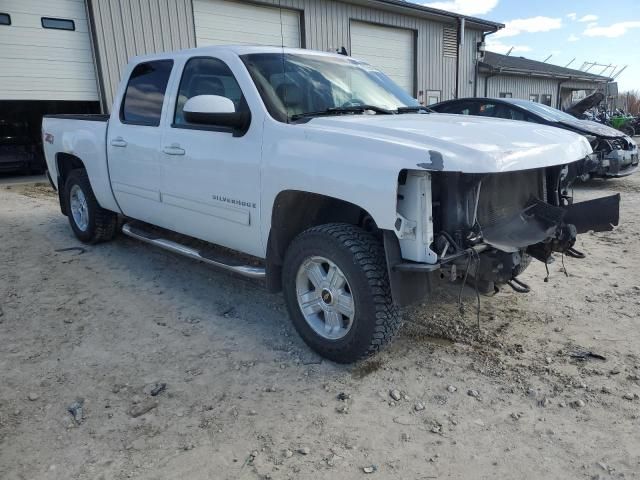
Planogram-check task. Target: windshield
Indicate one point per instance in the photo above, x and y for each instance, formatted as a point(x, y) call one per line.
point(292, 85)
point(548, 113)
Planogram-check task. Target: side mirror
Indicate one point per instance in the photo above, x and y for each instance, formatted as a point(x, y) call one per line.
point(215, 111)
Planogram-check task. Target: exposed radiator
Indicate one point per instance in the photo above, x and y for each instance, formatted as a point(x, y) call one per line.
point(505, 194)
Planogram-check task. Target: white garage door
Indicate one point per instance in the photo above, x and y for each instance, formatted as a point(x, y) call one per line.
point(223, 22)
point(39, 63)
point(387, 48)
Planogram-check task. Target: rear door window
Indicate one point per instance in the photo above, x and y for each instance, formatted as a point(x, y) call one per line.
point(144, 96)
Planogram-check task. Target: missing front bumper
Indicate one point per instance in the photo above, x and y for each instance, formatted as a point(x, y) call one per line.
point(538, 230)
point(542, 229)
point(599, 215)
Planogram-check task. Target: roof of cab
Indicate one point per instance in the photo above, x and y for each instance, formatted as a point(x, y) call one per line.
point(237, 49)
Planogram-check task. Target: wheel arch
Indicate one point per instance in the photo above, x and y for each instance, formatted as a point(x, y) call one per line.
point(295, 211)
point(65, 163)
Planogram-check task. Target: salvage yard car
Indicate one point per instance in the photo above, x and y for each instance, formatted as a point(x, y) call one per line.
point(615, 153)
point(17, 151)
point(337, 187)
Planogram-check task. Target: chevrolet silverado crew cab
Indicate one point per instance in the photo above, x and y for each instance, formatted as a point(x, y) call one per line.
point(318, 174)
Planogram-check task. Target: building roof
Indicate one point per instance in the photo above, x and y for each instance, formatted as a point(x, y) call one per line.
point(418, 9)
point(497, 63)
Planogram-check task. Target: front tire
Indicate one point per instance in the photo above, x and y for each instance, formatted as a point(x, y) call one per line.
point(628, 130)
point(337, 292)
point(89, 221)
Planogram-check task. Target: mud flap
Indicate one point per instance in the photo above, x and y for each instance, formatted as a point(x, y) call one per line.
point(406, 287)
point(63, 208)
point(599, 215)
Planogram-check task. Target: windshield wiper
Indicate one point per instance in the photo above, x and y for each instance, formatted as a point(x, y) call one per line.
point(415, 109)
point(343, 110)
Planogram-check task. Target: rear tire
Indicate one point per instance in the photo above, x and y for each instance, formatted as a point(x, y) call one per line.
point(89, 221)
point(357, 259)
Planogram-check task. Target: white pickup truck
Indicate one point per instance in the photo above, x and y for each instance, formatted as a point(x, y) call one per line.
point(325, 178)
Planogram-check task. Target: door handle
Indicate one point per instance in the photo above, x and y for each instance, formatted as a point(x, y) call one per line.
point(118, 142)
point(173, 149)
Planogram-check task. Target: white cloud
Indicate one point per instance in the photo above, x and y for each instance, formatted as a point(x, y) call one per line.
point(499, 47)
point(588, 18)
point(612, 31)
point(591, 25)
point(529, 25)
point(573, 38)
point(572, 15)
point(465, 7)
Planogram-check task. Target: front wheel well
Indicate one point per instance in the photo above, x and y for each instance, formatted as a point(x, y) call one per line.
point(294, 212)
point(65, 163)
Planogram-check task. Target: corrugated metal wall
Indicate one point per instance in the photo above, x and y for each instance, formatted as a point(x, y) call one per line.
point(518, 86)
point(124, 28)
point(468, 63)
point(326, 25)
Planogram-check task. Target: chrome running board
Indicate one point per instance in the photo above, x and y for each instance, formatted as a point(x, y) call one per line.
point(138, 233)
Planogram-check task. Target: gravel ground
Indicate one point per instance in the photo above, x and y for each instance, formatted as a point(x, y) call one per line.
point(100, 330)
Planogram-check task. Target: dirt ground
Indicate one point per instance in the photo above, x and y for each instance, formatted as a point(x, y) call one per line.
point(245, 398)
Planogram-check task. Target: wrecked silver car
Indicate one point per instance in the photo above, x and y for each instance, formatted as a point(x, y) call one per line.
point(614, 153)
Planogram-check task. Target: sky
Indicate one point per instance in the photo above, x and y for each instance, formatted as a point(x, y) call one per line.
point(606, 32)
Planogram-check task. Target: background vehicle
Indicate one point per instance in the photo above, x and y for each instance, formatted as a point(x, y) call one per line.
point(17, 152)
point(616, 154)
point(636, 125)
point(22, 119)
point(336, 186)
point(580, 108)
point(624, 123)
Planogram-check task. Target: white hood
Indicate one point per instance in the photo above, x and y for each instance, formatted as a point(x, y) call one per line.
point(462, 143)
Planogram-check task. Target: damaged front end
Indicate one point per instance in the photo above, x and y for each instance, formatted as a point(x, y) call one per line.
point(616, 157)
point(485, 228)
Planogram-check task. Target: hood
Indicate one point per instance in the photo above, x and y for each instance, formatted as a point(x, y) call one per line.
point(461, 143)
point(585, 104)
point(592, 128)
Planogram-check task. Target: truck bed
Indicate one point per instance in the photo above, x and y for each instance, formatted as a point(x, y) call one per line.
point(84, 138)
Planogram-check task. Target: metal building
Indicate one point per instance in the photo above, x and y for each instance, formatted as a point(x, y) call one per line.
point(519, 77)
point(75, 50)
point(431, 53)
point(56, 62)
point(67, 56)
